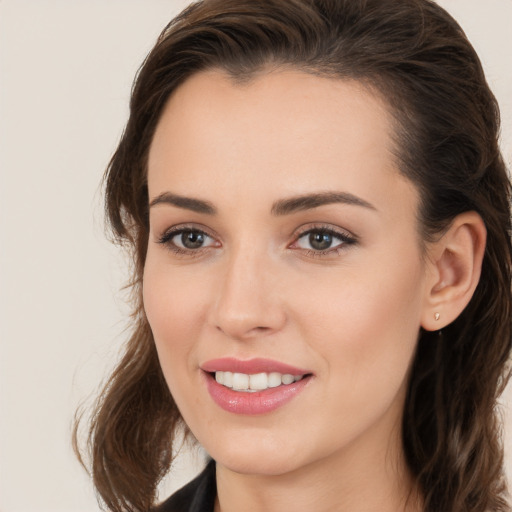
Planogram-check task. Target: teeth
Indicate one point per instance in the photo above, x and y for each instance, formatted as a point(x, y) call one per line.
point(228, 379)
point(258, 381)
point(287, 379)
point(240, 381)
point(274, 380)
point(255, 382)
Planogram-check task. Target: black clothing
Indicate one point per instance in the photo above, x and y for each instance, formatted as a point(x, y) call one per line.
point(197, 496)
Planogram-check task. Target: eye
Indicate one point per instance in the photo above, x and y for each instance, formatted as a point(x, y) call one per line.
point(190, 239)
point(187, 240)
point(317, 240)
point(322, 240)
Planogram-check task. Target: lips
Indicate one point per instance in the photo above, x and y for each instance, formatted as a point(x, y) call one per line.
point(258, 365)
point(256, 386)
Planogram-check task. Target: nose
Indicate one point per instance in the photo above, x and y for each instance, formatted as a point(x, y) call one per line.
point(248, 303)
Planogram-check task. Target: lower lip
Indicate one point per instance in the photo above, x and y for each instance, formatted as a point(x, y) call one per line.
point(259, 402)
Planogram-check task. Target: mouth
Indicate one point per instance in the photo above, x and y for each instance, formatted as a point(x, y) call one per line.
point(252, 387)
point(252, 383)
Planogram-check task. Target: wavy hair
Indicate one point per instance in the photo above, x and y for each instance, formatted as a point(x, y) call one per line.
point(446, 127)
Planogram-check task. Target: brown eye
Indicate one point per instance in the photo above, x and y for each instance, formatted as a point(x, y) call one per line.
point(192, 239)
point(320, 241)
point(187, 239)
point(323, 241)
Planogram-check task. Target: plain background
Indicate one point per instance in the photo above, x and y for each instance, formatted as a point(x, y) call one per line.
point(66, 69)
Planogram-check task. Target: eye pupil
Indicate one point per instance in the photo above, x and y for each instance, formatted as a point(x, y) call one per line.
point(192, 239)
point(320, 241)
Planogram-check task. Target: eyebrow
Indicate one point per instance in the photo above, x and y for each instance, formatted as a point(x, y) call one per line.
point(188, 203)
point(279, 208)
point(309, 201)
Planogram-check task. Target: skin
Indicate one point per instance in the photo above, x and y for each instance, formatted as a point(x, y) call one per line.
point(257, 288)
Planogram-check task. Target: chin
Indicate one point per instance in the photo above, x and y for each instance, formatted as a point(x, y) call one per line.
point(255, 459)
point(255, 465)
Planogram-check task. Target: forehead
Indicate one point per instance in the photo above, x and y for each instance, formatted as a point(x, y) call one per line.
point(304, 105)
point(282, 133)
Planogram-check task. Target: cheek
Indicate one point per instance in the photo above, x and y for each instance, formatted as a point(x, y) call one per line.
point(174, 311)
point(173, 308)
point(366, 326)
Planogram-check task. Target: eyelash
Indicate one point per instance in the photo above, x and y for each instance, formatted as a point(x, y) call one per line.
point(167, 240)
point(346, 239)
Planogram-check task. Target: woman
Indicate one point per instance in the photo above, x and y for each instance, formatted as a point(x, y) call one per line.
point(319, 217)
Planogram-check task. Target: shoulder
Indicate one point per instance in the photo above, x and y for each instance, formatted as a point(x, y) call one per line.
point(197, 496)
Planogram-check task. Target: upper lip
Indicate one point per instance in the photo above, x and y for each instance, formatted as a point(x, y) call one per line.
point(251, 366)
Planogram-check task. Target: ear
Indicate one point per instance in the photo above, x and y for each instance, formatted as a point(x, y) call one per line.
point(455, 262)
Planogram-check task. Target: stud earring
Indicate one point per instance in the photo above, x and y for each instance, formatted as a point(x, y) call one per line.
point(437, 316)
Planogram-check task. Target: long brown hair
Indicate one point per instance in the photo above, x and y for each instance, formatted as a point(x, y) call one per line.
point(446, 126)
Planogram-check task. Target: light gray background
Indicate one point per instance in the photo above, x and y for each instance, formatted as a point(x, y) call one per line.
point(66, 69)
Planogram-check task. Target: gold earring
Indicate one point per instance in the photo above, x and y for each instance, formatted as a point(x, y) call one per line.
point(437, 316)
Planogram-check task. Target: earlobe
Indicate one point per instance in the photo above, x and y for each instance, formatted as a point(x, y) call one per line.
point(456, 263)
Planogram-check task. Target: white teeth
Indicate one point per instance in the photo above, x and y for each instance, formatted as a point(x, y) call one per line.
point(287, 378)
point(228, 379)
point(240, 381)
point(258, 381)
point(255, 382)
point(274, 380)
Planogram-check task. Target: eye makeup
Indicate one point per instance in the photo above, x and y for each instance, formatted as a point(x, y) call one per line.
point(317, 240)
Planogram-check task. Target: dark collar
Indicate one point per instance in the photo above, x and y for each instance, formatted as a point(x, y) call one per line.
point(197, 496)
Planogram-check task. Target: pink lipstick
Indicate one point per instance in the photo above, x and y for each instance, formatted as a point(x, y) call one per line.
point(255, 386)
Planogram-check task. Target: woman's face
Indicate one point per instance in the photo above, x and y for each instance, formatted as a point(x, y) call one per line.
point(283, 241)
